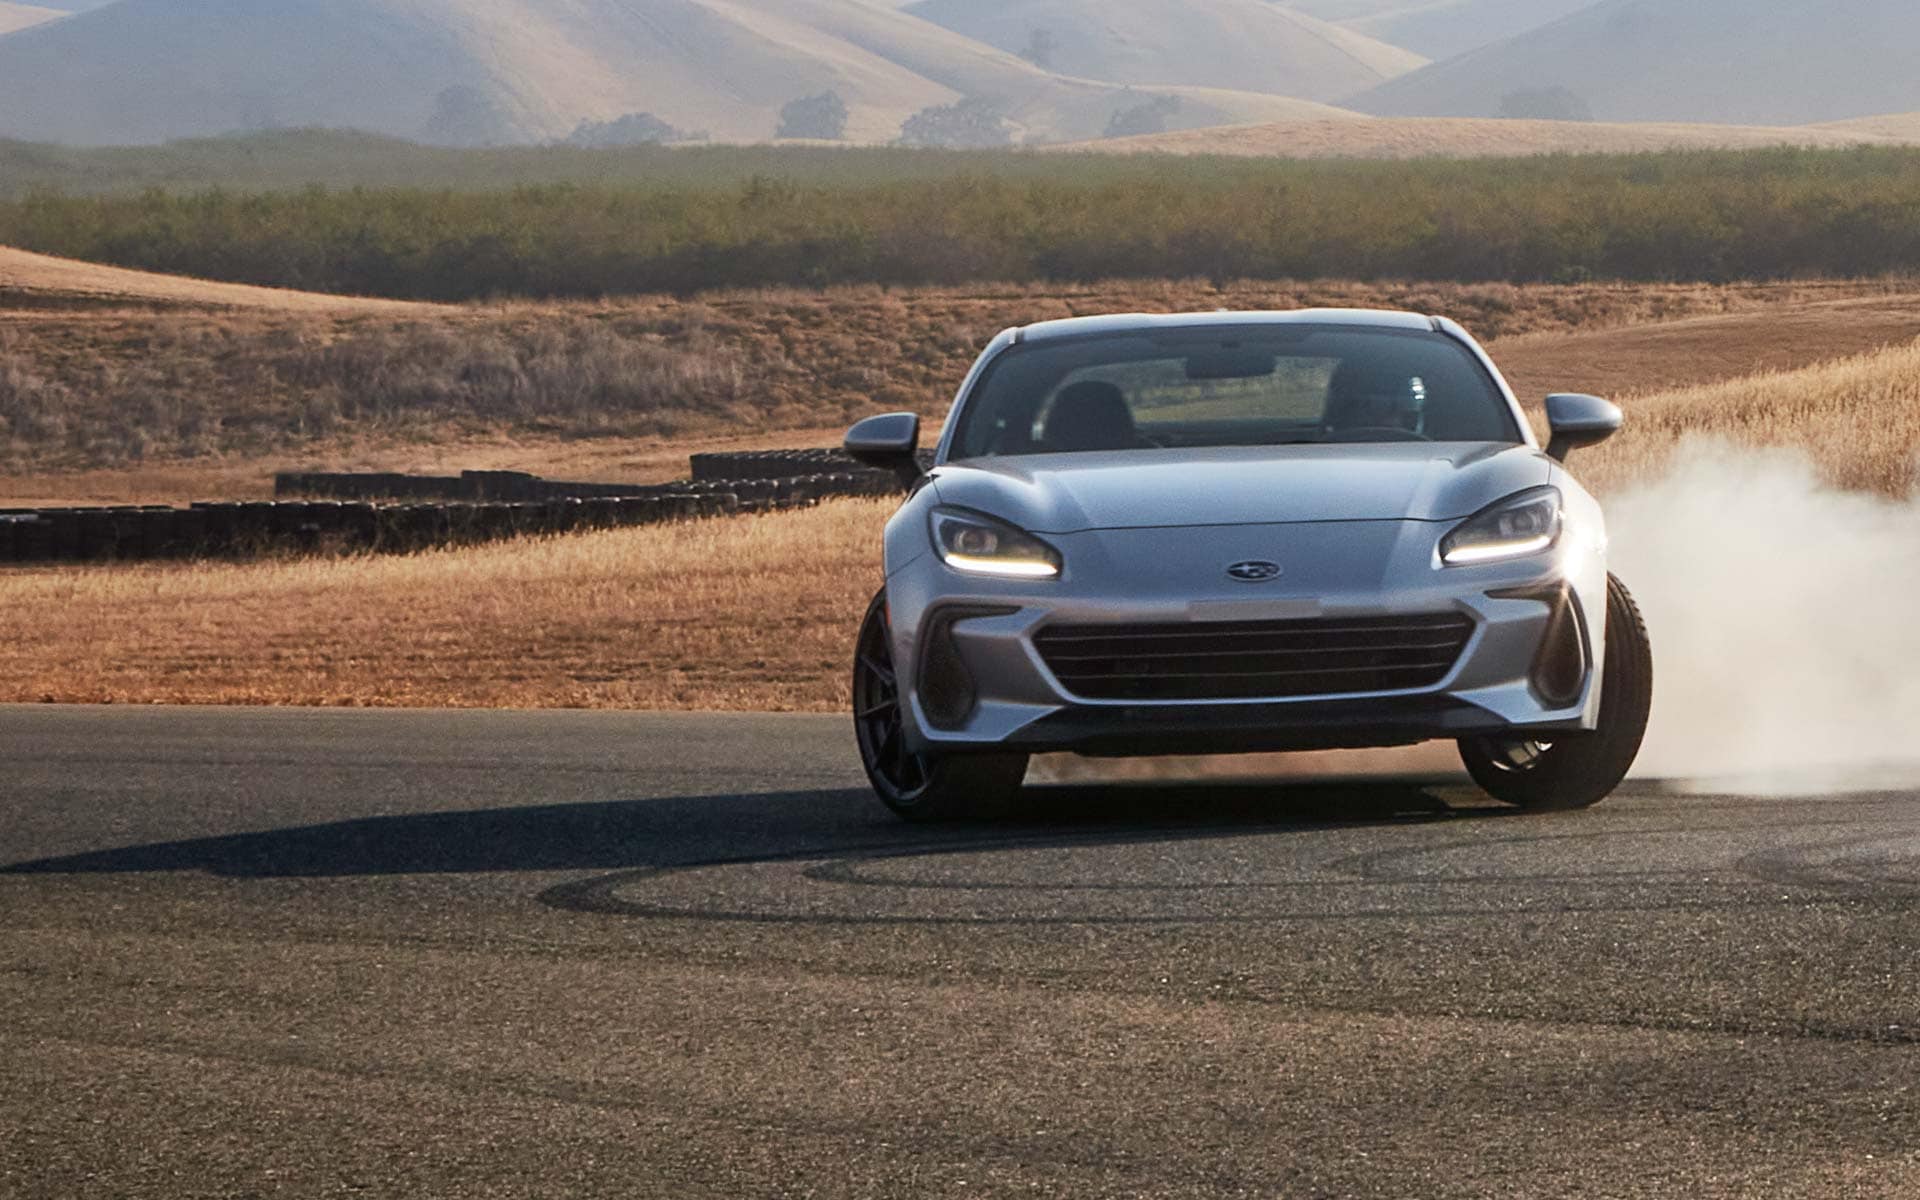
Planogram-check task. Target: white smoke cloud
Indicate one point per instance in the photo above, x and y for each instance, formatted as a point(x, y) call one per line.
point(1785, 618)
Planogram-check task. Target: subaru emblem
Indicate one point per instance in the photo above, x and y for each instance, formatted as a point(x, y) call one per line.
point(1258, 571)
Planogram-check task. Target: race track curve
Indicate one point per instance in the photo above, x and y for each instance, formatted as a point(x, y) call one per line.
point(251, 952)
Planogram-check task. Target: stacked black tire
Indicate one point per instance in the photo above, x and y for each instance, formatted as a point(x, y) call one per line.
point(388, 513)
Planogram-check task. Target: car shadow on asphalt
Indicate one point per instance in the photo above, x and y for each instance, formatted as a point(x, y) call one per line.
point(681, 831)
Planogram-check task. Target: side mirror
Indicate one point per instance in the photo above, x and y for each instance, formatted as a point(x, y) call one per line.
point(890, 442)
point(1579, 421)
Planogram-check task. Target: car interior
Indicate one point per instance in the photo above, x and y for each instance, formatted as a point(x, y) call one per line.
point(1134, 394)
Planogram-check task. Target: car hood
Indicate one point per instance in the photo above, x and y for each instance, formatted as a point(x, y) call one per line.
point(1140, 489)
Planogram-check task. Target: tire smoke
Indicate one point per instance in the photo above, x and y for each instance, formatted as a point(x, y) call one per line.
point(1785, 618)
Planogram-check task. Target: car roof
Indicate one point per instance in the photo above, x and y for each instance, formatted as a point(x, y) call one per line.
point(1121, 323)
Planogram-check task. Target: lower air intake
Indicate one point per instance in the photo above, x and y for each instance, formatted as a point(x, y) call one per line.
point(1254, 660)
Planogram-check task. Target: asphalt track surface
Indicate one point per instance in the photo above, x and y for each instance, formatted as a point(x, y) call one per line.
point(343, 953)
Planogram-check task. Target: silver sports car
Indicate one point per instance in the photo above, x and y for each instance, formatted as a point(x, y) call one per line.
point(1230, 532)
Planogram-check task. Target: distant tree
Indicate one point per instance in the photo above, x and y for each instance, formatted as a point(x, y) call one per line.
point(467, 116)
point(974, 123)
point(1040, 49)
point(1149, 116)
point(1545, 104)
point(822, 118)
point(633, 129)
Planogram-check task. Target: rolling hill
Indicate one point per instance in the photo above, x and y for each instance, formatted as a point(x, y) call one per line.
point(1345, 10)
point(1441, 29)
point(1249, 45)
point(42, 281)
point(1044, 105)
point(1900, 126)
point(504, 71)
point(1794, 62)
point(1477, 137)
point(20, 16)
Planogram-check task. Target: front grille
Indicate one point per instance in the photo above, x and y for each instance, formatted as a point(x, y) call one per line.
point(1247, 660)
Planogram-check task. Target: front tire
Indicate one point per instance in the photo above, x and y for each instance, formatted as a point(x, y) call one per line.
point(1579, 770)
point(918, 787)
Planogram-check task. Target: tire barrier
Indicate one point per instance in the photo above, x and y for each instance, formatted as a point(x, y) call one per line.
point(787, 464)
point(251, 528)
point(512, 487)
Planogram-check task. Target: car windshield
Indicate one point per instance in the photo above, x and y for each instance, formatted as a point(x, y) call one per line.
point(1232, 386)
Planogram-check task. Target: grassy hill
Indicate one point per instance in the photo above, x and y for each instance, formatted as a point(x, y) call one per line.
point(1250, 45)
point(1441, 29)
point(1901, 126)
point(505, 71)
point(1722, 61)
point(128, 400)
point(20, 16)
point(40, 281)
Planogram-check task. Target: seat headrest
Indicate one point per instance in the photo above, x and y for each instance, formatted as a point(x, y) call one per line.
point(1089, 416)
point(1358, 387)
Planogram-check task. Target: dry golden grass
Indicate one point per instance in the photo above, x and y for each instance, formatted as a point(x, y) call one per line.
point(118, 406)
point(1472, 137)
point(1857, 419)
point(666, 617)
point(1898, 126)
point(42, 281)
point(661, 617)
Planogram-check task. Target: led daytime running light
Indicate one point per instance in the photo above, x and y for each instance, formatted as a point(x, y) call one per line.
point(1520, 526)
point(979, 545)
point(1494, 551)
point(1018, 568)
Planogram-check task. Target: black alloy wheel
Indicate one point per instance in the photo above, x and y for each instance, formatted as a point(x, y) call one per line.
point(1581, 769)
point(915, 785)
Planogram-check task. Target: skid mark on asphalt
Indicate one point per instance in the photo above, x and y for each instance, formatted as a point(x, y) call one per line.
point(1238, 876)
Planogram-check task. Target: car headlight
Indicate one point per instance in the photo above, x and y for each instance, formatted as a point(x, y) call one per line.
point(1521, 525)
point(980, 545)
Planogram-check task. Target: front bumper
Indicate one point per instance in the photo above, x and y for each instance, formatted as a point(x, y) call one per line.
point(1140, 730)
point(982, 631)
